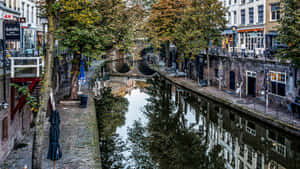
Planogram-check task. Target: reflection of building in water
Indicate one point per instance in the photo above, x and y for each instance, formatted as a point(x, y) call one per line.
point(247, 143)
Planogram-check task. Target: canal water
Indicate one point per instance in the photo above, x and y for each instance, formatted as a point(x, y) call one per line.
point(156, 124)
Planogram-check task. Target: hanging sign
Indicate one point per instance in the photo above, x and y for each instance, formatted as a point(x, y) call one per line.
point(12, 30)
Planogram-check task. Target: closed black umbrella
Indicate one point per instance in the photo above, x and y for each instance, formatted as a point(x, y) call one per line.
point(54, 151)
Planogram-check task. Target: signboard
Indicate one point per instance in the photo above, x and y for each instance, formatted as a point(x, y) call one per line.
point(12, 30)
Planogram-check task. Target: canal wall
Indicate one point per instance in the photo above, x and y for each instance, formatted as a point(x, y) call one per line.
point(227, 100)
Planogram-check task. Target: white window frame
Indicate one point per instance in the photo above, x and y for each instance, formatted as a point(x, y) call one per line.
point(251, 74)
point(277, 81)
point(276, 19)
point(277, 74)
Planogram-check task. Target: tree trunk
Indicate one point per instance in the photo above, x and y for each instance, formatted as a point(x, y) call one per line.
point(167, 50)
point(38, 136)
point(208, 67)
point(75, 73)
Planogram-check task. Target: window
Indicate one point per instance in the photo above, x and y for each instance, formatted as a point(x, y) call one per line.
point(251, 21)
point(241, 164)
point(275, 11)
point(278, 82)
point(250, 1)
point(243, 22)
point(229, 17)
point(216, 73)
point(242, 150)
point(243, 2)
point(15, 4)
point(37, 16)
point(260, 39)
point(235, 1)
point(32, 9)
point(27, 16)
point(229, 2)
point(249, 159)
point(259, 161)
point(23, 12)
point(5, 128)
point(260, 14)
point(251, 128)
point(242, 38)
point(234, 17)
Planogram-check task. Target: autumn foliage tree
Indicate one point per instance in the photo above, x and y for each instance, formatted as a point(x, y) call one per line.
point(199, 27)
point(91, 28)
point(164, 16)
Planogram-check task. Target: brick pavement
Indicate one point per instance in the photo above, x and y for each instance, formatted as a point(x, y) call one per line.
point(79, 142)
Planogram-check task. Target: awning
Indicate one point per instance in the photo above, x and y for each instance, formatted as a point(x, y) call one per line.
point(251, 30)
point(228, 31)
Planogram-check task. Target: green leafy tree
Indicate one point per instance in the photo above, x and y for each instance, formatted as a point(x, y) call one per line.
point(79, 32)
point(289, 31)
point(200, 27)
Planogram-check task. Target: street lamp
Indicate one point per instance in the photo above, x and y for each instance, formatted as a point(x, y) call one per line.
point(4, 105)
point(233, 28)
point(44, 21)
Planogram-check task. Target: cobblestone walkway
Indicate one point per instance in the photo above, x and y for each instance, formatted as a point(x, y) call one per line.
point(79, 142)
point(275, 115)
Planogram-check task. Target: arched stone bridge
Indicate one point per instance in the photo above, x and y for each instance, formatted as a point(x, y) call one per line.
point(127, 67)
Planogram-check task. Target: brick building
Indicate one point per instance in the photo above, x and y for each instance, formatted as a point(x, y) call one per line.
point(12, 129)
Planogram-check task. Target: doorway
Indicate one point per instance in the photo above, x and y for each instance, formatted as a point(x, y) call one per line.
point(232, 80)
point(251, 83)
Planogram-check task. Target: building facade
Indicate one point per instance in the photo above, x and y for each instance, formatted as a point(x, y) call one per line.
point(31, 30)
point(15, 128)
point(255, 22)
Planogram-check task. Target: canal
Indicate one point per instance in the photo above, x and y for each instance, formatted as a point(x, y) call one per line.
point(156, 124)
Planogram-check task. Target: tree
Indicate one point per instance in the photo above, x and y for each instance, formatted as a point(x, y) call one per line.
point(199, 27)
point(92, 28)
point(79, 32)
point(289, 31)
point(38, 135)
point(164, 15)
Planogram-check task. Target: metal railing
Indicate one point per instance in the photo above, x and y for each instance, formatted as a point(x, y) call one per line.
point(25, 63)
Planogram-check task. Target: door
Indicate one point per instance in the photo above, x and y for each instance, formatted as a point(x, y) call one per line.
point(232, 80)
point(251, 86)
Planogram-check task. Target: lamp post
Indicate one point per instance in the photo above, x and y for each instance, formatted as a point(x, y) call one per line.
point(44, 21)
point(233, 28)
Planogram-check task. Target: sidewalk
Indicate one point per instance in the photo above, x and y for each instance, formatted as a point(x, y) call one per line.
point(78, 140)
point(278, 117)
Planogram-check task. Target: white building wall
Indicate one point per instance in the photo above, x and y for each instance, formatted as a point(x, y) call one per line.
point(237, 6)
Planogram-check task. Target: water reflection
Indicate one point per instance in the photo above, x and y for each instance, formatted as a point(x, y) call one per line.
point(173, 143)
point(246, 142)
point(175, 128)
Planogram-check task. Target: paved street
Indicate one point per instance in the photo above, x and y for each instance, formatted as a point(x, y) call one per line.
point(79, 141)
